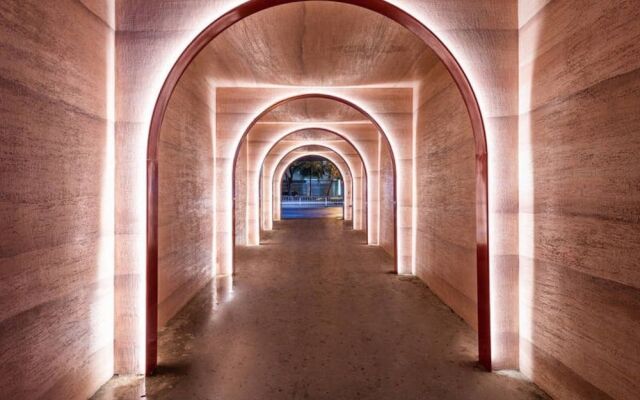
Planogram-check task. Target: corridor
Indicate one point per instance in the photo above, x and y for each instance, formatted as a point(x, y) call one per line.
point(337, 199)
point(316, 313)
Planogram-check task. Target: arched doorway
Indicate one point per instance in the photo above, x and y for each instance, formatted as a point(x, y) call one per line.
point(413, 25)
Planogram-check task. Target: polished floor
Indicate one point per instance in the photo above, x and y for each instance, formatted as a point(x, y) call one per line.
point(315, 313)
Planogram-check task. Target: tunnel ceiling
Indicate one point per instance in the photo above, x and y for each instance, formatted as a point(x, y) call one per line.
point(314, 109)
point(314, 44)
point(311, 134)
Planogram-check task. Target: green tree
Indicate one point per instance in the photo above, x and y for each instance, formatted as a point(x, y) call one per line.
point(334, 175)
point(311, 169)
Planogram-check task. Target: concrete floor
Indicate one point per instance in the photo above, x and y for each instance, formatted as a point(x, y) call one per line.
point(314, 313)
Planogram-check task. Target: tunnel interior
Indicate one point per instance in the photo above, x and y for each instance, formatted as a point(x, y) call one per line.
point(355, 83)
point(482, 237)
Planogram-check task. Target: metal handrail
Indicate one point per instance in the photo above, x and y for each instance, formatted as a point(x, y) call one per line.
point(310, 198)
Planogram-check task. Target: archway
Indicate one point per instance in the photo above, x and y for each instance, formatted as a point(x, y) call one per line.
point(293, 156)
point(430, 39)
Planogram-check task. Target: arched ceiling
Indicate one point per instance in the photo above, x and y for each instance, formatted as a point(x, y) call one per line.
point(311, 134)
point(313, 148)
point(323, 113)
point(316, 43)
point(313, 153)
point(313, 110)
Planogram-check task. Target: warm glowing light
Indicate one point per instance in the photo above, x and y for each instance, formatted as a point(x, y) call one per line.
point(222, 290)
point(356, 122)
point(378, 223)
point(526, 216)
point(214, 236)
point(414, 186)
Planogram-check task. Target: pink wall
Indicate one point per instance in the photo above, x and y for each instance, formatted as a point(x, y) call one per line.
point(185, 164)
point(445, 182)
point(567, 221)
point(57, 161)
point(240, 183)
point(580, 197)
point(386, 188)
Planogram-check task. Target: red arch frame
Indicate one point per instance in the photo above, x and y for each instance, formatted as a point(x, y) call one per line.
point(344, 207)
point(364, 167)
point(431, 40)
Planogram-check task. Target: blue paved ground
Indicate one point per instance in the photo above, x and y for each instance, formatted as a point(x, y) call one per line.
point(320, 212)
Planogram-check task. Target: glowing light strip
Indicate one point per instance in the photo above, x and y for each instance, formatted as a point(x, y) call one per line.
point(360, 122)
point(379, 186)
point(414, 186)
point(526, 203)
point(102, 311)
point(214, 217)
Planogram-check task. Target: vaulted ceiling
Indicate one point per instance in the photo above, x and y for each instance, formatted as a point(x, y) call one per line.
point(314, 44)
point(314, 109)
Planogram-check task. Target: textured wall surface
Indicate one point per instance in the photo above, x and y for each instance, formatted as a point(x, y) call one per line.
point(56, 198)
point(580, 197)
point(185, 207)
point(386, 188)
point(240, 187)
point(569, 221)
point(445, 182)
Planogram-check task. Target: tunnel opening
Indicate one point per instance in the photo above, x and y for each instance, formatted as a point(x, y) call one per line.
point(312, 187)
